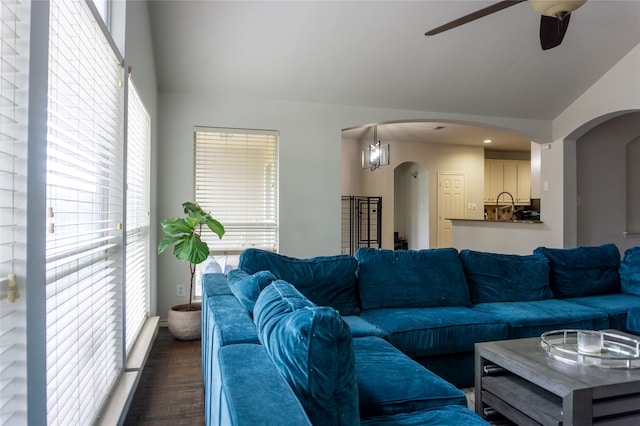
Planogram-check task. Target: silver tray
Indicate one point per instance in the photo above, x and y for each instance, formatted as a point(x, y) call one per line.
point(610, 350)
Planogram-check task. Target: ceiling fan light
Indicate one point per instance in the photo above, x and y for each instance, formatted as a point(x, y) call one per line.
point(555, 8)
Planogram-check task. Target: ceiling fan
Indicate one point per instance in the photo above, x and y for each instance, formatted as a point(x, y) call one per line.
point(554, 19)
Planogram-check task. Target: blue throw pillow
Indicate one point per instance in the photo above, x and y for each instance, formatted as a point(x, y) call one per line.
point(496, 277)
point(411, 278)
point(630, 271)
point(247, 287)
point(583, 271)
point(312, 348)
point(325, 280)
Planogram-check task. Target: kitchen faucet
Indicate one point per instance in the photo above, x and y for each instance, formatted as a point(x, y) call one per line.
point(513, 207)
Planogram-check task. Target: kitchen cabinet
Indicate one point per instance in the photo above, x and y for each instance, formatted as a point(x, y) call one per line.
point(513, 176)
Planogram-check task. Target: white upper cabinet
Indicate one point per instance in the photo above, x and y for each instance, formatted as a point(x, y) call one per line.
point(513, 176)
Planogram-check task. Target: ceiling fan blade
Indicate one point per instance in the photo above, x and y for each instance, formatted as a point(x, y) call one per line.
point(552, 30)
point(473, 16)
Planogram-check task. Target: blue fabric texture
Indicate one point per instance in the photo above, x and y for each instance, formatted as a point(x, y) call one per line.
point(442, 416)
point(630, 271)
point(325, 280)
point(253, 393)
point(215, 284)
point(411, 278)
point(247, 287)
point(439, 330)
point(389, 382)
point(312, 348)
point(633, 321)
point(362, 328)
point(506, 277)
point(531, 319)
point(615, 305)
point(583, 271)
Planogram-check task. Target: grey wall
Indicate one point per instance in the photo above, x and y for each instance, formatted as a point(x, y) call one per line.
point(601, 165)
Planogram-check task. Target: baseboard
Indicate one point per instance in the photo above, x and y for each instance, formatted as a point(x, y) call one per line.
point(115, 411)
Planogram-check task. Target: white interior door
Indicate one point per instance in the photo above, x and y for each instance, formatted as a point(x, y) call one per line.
point(452, 195)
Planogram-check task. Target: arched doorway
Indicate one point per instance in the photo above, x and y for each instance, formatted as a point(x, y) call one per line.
point(411, 204)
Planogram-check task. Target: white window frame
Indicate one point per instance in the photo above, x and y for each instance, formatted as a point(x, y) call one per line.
point(236, 180)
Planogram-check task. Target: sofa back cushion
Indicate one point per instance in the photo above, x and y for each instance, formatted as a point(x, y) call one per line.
point(583, 271)
point(496, 277)
point(312, 348)
point(325, 280)
point(247, 287)
point(630, 271)
point(411, 278)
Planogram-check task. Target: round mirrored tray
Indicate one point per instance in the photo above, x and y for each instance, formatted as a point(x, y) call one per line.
point(589, 347)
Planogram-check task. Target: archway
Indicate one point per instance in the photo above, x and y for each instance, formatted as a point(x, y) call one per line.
point(411, 204)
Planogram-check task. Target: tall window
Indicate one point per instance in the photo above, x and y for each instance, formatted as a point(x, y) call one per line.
point(236, 180)
point(137, 225)
point(14, 48)
point(84, 185)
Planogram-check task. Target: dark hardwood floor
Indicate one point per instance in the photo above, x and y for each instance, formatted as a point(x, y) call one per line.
point(170, 389)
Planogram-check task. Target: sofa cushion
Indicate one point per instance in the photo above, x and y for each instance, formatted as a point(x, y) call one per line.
point(441, 416)
point(325, 280)
point(312, 348)
point(630, 271)
point(496, 277)
point(439, 330)
point(531, 319)
point(583, 271)
point(389, 382)
point(362, 328)
point(247, 287)
point(411, 278)
point(617, 306)
point(633, 321)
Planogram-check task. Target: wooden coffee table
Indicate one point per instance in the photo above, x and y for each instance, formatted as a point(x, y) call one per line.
point(520, 381)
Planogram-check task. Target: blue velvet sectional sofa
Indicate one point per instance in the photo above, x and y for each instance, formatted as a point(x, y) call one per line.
point(345, 339)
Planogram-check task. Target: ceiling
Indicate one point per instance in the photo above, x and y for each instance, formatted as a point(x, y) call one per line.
point(375, 54)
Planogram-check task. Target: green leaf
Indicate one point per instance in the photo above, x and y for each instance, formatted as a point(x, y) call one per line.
point(192, 249)
point(192, 209)
point(166, 242)
point(215, 226)
point(176, 226)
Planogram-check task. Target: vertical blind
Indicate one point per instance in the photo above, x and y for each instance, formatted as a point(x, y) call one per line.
point(84, 187)
point(236, 180)
point(137, 224)
point(14, 47)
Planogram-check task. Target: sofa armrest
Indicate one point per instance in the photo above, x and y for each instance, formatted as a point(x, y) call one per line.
point(214, 284)
point(253, 392)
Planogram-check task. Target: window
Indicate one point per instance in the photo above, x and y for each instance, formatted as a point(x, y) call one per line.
point(14, 48)
point(84, 185)
point(137, 225)
point(236, 180)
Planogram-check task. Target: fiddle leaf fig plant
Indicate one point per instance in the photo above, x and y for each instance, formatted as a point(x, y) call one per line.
point(184, 233)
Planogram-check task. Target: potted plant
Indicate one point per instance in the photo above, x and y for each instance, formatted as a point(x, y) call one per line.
point(185, 233)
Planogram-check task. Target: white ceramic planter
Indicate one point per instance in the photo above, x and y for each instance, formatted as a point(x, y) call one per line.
point(184, 324)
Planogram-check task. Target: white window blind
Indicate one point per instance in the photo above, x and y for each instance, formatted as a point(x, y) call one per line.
point(137, 225)
point(14, 48)
point(85, 202)
point(236, 180)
